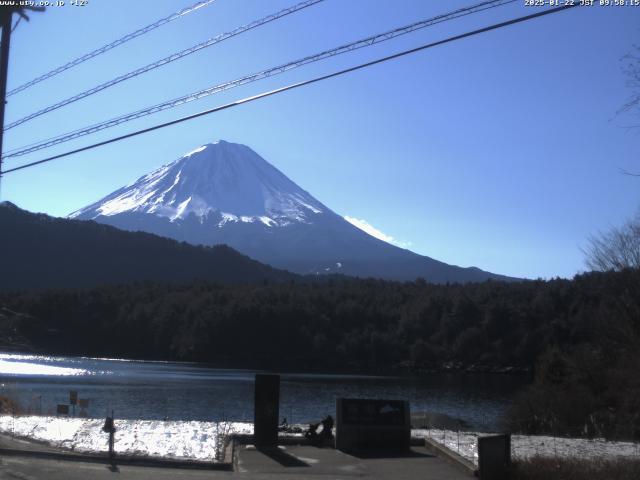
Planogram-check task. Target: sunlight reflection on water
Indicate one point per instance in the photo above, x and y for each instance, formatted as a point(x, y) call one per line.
point(21, 364)
point(8, 367)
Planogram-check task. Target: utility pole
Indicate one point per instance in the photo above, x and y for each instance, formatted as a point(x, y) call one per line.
point(6, 15)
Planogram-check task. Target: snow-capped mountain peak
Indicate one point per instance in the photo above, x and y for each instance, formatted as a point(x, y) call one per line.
point(222, 177)
point(225, 193)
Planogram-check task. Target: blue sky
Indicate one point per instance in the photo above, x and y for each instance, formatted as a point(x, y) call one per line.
point(501, 151)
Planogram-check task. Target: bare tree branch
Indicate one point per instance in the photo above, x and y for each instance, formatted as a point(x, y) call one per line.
point(617, 249)
point(631, 69)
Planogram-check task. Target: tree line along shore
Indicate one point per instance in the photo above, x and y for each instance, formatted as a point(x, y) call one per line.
point(580, 338)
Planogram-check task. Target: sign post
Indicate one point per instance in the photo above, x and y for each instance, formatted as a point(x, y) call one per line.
point(83, 403)
point(73, 400)
point(494, 457)
point(266, 410)
point(110, 428)
point(367, 424)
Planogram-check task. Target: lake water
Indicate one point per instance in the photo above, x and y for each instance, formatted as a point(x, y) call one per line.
point(190, 391)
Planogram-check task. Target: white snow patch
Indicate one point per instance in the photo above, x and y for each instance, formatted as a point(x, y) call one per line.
point(267, 221)
point(524, 446)
point(227, 217)
point(366, 227)
point(197, 150)
point(202, 440)
point(172, 439)
point(310, 207)
point(181, 208)
point(123, 203)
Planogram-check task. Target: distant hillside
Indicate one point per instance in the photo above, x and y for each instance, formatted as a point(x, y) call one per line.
point(39, 251)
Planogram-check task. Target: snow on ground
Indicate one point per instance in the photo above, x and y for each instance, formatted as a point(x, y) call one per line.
point(523, 446)
point(172, 439)
point(204, 440)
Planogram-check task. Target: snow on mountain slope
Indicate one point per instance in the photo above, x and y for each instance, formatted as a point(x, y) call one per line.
point(224, 177)
point(226, 193)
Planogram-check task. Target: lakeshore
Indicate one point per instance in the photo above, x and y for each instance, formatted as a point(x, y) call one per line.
point(151, 390)
point(205, 441)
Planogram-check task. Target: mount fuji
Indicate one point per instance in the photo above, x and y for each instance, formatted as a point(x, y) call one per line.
point(225, 193)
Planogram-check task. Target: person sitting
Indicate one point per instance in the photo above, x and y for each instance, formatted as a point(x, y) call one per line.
point(284, 426)
point(327, 428)
point(312, 432)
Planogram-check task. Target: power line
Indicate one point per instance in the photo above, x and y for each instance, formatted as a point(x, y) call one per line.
point(166, 60)
point(366, 42)
point(112, 45)
point(254, 77)
point(296, 85)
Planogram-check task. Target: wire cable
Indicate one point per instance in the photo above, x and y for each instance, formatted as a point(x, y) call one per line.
point(366, 42)
point(295, 85)
point(166, 60)
point(110, 46)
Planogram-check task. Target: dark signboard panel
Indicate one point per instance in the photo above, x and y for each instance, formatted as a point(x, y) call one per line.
point(267, 409)
point(494, 457)
point(358, 411)
point(372, 424)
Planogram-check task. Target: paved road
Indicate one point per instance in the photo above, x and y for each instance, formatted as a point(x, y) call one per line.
point(305, 462)
point(34, 462)
point(28, 468)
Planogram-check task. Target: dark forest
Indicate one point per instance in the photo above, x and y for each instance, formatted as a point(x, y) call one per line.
point(578, 339)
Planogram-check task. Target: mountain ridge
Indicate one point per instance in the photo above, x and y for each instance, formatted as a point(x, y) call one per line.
point(50, 252)
point(225, 193)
